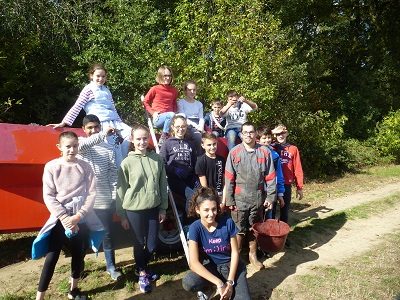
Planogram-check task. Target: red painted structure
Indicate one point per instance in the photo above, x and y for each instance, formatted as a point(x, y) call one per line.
point(24, 150)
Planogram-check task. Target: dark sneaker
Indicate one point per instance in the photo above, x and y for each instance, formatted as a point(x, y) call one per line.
point(144, 284)
point(114, 274)
point(76, 294)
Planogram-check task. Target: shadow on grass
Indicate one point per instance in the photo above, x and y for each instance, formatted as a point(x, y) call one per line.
point(15, 250)
point(303, 241)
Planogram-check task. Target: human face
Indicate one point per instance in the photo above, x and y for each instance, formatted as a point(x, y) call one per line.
point(266, 140)
point(210, 147)
point(208, 211)
point(99, 77)
point(281, 137)
point(91, 128)
point(233, 99)
point(216, 108)
point(190, 91)
point(179, 128)
point(140, 140)
point(167, 77)
point(69, 148)
point(249, 135)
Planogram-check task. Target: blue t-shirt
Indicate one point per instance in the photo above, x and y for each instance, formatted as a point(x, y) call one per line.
point(215, 245)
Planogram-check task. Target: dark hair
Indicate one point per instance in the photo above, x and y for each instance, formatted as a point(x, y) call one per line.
point(90, 118)
point(95, 67)
point(174, 118)
point(202, 194)
point(134, 128)
point(232, 93)
point(246, 124)
point(208, 135)
point(265, 130)
point(187, 83)
point(67, 135)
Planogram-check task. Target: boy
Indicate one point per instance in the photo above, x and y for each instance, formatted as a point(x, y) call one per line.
point(291, 167)
point(235, 112)
point(265, 139)
point(210, 167)
point(213, 121)
point(249, 169)
point(101, 158)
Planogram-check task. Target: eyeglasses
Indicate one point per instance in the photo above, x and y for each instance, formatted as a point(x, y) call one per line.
point(167, 75)
point(180, 127)
point(280, 133)
point(245, 133)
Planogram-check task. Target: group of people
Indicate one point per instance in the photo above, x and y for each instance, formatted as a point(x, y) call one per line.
point(112, 170)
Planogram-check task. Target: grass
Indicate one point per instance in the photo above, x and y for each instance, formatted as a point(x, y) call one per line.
point(350, 280)
point(373, 275)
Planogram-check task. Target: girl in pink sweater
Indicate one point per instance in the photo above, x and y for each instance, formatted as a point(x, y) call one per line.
point(69, 193)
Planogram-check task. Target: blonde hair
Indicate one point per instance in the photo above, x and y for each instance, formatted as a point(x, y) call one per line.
point(160, 74)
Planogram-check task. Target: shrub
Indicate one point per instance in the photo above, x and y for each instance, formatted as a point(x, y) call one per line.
point(388, 133)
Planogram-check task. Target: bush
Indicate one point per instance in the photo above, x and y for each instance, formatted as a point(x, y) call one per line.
point(388, 133)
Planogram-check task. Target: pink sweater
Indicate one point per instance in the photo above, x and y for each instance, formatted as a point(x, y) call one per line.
point(64, 180)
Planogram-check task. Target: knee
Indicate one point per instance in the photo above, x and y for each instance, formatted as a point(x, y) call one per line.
point(188, 284)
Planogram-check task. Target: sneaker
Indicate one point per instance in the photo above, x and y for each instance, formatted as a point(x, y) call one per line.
point(202, 296)
point(115, 275)
point(144, 284)
point(150, 275)
point(76, 294)
point(163, 138)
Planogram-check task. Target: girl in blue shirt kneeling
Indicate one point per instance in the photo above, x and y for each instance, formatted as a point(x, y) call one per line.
point(213, 251)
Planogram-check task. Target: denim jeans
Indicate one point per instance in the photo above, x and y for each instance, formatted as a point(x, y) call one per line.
point(144, 227)
point(193, 282)
point(164, 121)
point(231, 135)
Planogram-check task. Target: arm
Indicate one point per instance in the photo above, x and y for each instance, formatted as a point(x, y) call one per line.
point(163, 189)
point(225, 108)
point(233, 268)
point(298, 173)
point(280, 181)
point(84, 97)
point(203, 181)
point(90, 182)
point(122, 187)
point(200, 126)
point(270, 180)
point(113, 174)
point(148, 101)
point(230, 181)
point(252, 104)
point(86, 143)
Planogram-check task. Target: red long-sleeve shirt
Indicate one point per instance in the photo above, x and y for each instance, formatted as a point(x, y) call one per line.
point(291, 164)
point(161, 98)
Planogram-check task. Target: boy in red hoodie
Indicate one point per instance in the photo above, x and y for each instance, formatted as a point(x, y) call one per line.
point(291, 167)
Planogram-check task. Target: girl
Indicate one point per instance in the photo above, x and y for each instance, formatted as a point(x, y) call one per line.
point(180, 158)
point(96, 99)
point(192, 109)
point(213, 251)
point(160, 101)
point(66, 179)
point(142, 201)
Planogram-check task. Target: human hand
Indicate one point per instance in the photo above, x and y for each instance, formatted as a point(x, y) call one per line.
point(222, 207)
point(233, 207)
point(155, 115)
point(241, 99)
point(59, 125)
point(110, 130)
point(299, 194)
point(125, 223)
point(226, 292)
point(267, 205)
point(281, 201)
point(161, 217)
point(75, 219)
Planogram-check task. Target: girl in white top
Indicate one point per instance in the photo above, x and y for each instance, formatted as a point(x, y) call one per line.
point(192, 109)
point(96, 99)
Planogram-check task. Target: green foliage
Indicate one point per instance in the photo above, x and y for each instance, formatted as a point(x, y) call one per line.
point(387, 138)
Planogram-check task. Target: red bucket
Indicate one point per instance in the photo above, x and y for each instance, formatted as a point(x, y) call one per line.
point(271, 235)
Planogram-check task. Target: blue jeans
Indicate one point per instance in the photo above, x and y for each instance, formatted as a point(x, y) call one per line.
point(231, 135)
point(193, 282)
point(144, 227)
point(164, 121)
point(283, 211)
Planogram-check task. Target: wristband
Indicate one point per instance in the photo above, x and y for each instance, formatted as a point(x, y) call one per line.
point(230, 282)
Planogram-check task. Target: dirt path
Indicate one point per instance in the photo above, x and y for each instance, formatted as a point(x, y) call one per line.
point(350, 238)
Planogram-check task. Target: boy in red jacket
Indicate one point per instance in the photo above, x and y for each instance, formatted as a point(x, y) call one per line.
point(291, 167)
